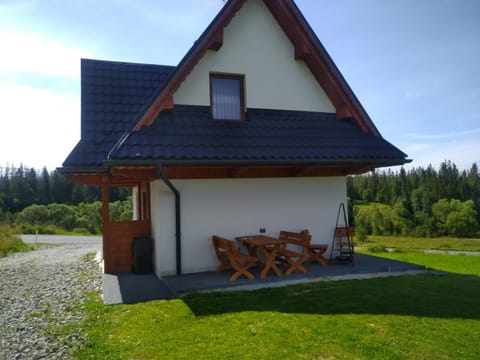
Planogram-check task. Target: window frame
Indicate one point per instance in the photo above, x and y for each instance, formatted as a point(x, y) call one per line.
point(241, 79)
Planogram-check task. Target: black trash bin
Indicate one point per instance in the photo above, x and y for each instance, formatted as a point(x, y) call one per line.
point(142, 255)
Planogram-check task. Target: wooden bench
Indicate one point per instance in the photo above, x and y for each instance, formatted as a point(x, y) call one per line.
point(229, 256)
point(314, 252)
point(293, 258)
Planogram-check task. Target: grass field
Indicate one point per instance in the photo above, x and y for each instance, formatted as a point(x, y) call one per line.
point(460, 264)
point(407, 317)
point(9, 243)
point(411, 243)
point(411, 250)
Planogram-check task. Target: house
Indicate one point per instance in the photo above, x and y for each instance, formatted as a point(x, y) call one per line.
point(255, 128)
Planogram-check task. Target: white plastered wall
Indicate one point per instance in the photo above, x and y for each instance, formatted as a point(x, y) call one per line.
point(254, 45)
point(163, 227)
point(233, 207)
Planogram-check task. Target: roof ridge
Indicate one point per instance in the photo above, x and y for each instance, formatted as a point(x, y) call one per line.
point(86, 60)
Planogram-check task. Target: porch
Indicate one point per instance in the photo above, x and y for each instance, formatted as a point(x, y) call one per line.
point(129, 288)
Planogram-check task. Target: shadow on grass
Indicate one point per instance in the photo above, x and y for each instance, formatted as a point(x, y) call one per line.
point(447, 296)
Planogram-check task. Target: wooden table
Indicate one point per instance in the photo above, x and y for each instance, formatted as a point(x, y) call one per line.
point(268, 246)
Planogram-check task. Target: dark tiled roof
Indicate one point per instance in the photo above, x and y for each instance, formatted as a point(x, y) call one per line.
point(113, 93)
point(188, 134)
point(116, 98)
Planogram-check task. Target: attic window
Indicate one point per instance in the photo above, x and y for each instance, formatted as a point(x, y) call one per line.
point(227, 97)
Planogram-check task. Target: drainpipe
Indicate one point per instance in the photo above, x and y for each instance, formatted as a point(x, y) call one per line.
point(178, 238)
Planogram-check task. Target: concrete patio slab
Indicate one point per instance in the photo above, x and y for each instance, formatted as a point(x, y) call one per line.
point(130, 288)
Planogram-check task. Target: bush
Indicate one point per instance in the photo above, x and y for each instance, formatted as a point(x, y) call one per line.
point(455, 218)
point(378, 249)
point(33, 215)
point(41, 229)
point(81, 231)
point(361, 234)
point(378, 219)
point(61, 219)
point(89, 216)
point(62, 216)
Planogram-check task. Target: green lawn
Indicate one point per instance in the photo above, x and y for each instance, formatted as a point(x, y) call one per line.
point(410, 243)
point(408, 317)
point(460, 264)
point(411, 250)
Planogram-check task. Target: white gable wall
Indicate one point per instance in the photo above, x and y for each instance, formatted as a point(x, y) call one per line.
point(234, 207)
point(256, 46)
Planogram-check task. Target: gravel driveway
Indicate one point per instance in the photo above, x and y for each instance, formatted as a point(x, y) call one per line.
point(39, 290)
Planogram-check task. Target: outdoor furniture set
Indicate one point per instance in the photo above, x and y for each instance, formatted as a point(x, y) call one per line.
point(290, 249)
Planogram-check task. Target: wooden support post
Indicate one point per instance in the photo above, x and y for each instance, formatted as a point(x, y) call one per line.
point(105, 222)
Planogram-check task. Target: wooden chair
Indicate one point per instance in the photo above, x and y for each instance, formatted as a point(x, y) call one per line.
point(291, 257)
point(344, 245)
point(229, 256)
point(314, 252)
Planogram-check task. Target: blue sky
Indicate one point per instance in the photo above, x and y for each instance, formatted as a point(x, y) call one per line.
point(414, 65)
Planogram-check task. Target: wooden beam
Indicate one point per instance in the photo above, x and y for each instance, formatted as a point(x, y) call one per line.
point(105, 201)
point(302, 50)
point(105, 224)
point(216, 41)
point(130, 176)
point(343, 111)
point(86, 178)
point(238, 172)
point(118, 176)
point(135, 174)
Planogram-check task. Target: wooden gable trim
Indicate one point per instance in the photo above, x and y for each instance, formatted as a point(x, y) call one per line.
point(217, 41)
point(307, 47)
point(211, 39)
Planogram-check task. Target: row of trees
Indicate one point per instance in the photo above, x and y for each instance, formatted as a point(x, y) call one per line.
point(83, 218)
point(21, 187)
point(420, 202)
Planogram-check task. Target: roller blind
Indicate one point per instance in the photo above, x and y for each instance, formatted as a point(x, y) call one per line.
point(226, 99)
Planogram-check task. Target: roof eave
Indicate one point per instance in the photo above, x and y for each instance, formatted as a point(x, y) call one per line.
point(380, 162)
point(95, 175)
point(83, 169)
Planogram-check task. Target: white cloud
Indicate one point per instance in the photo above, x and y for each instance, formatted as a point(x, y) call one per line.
point(415, 147)
point(40, 112)
point(39, 126)
point(27, 53)
point(463, 153)
point(448, 135)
